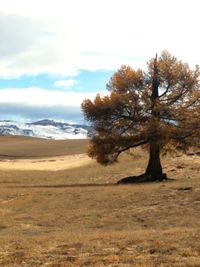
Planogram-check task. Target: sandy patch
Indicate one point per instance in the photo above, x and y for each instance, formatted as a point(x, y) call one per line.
point(46, 164)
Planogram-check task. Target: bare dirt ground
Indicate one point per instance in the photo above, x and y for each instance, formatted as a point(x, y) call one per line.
point(79, 216)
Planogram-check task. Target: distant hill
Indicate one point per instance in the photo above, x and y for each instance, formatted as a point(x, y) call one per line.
point(48, 129)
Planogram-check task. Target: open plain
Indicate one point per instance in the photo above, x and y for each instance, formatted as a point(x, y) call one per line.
point(60, 208)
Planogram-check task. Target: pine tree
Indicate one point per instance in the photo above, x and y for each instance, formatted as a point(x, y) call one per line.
point(158, 108)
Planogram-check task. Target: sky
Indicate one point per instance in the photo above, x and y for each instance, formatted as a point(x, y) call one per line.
point(56, 53)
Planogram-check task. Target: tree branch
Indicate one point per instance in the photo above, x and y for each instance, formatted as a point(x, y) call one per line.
point(166, 91)
point(131, 146)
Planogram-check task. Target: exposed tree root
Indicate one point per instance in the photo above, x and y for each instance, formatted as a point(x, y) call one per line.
point(143, 178)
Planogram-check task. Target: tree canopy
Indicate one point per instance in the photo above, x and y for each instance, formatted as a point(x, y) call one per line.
point(158, 108)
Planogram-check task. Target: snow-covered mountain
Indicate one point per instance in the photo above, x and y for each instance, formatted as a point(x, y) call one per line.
point(48, 129)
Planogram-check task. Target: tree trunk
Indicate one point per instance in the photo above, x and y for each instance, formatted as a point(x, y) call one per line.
point(154, 168)
point(153, 171)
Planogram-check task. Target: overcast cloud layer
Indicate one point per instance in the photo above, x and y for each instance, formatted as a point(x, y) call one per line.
point(61, 37)
point(38, 103)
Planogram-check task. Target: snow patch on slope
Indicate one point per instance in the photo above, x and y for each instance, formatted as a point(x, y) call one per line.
point(47, 129)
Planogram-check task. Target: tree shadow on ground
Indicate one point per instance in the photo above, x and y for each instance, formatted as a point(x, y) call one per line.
point(53, 186)
point(143, 178)
point(127, 180)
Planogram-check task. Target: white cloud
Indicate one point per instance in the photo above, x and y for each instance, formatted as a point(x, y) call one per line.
point(65, 83)
point(28, 47)
point(60, 36)
point(40, 97)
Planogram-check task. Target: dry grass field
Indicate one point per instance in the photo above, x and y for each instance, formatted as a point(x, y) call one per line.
point(27, 147)
point(52, 215)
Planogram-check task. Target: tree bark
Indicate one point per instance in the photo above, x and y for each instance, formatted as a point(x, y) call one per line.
point(154, 168)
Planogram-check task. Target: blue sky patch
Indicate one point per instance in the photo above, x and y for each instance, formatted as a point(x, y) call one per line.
point(86, 81)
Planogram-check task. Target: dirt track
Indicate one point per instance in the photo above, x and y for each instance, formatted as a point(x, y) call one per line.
point(46, 164)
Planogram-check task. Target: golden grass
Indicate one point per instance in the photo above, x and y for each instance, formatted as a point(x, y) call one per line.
point(46, 164)
point(79, 217)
